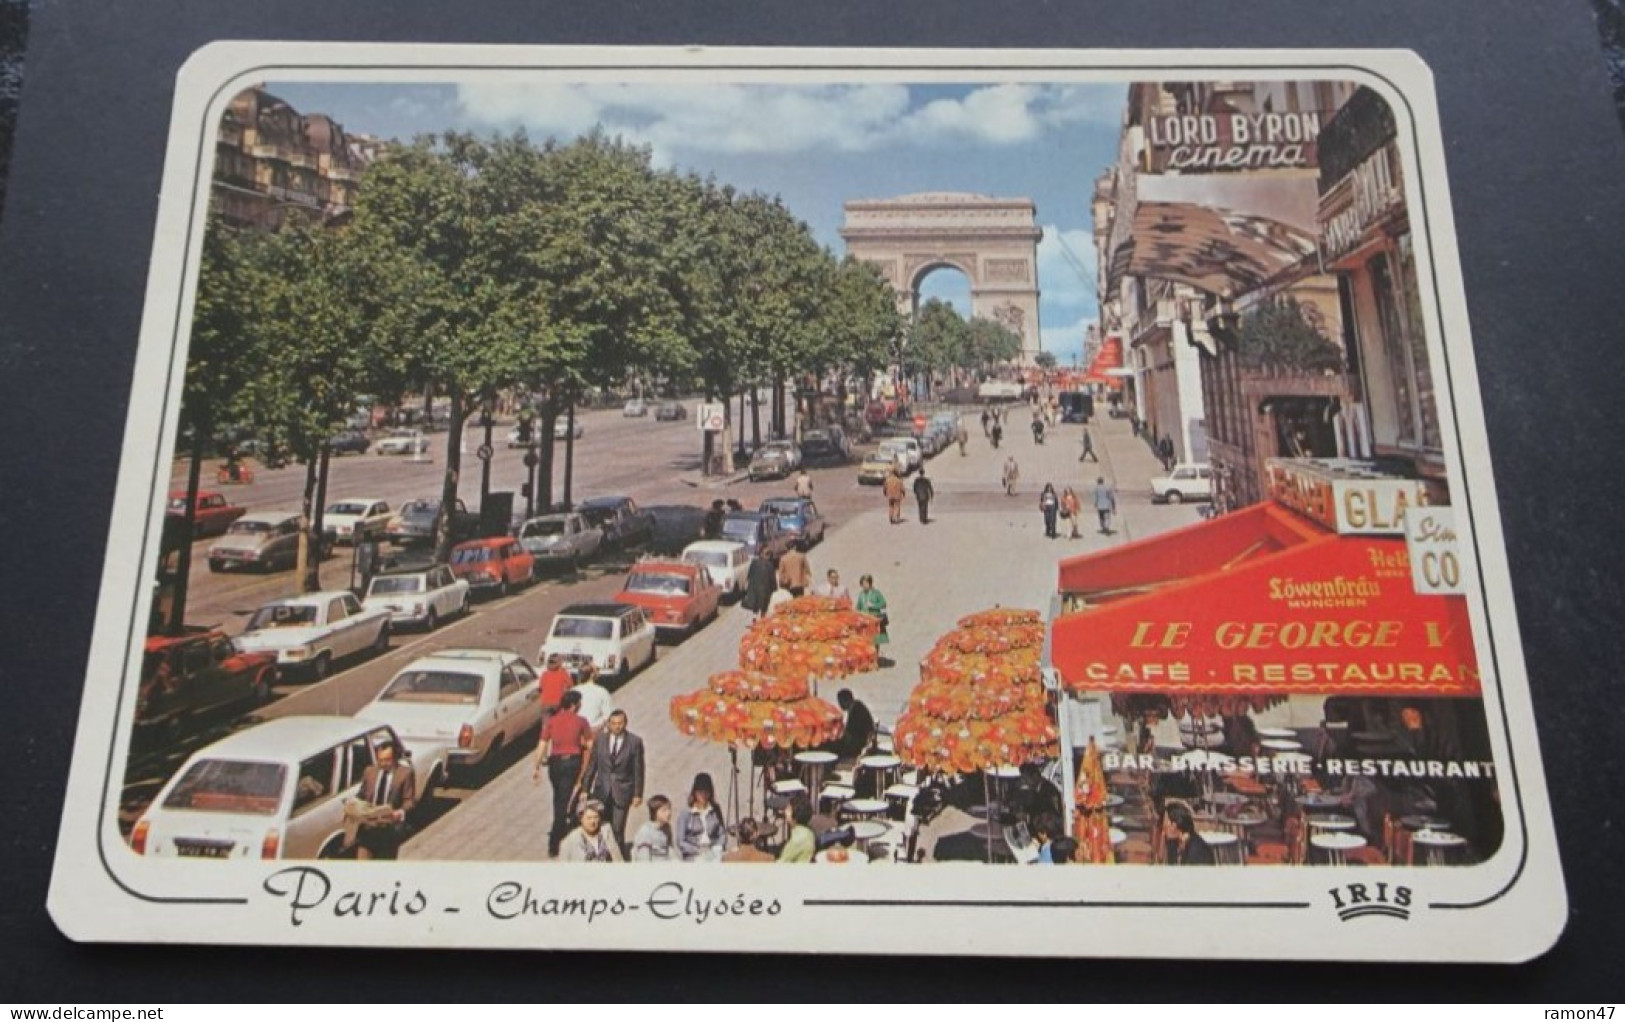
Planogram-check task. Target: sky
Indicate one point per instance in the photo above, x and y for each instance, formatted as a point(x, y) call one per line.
point(816, 147)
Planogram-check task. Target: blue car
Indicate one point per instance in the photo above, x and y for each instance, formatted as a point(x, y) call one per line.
point(797, 516)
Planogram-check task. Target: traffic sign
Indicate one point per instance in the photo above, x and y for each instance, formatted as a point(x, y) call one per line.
point(711, 418)
point(484, 452)
point(531, 460)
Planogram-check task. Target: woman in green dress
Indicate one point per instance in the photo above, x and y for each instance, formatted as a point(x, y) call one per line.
point(871, 602)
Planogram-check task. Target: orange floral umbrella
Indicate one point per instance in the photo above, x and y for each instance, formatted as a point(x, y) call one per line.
point(1016, 668)
point(811, 645)
point(994, 639)
point(968, 746)
point(743, 708)
point(1000, 617)
point(953, 700)
point(1092, 827)
point(804, 605)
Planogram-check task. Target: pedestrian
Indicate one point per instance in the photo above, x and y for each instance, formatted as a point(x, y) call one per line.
point(870, 601)
point(734, 507)
point(997, 434)
point(554, 682)
point(1012, 475)
point(1165, 448)
point(565, 737)
point(803, 843)
point(386, 783)
point(596, 702)
point(700, 831)
point(1050, 504)
point(795, 574)
point(366, 560)
point(614, 774)
point(1105, 504)
point(1038, 428)
point(589, 842)
point(1071, 510)
point(893, 487)
point(923, 492)
point(654, 841)
point(1088, 447)
point(832, 588)
point(987, 416)
point(713, 520)
point(804, 484)
point(759, 584)
point(961, 437)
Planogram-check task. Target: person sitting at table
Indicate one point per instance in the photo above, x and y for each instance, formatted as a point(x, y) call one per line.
point(750, 833)
point(856, 731)
point(803, 842)
point(1063, 851)
point(1046, 827)
point(1241, 736)
point(1185, 846)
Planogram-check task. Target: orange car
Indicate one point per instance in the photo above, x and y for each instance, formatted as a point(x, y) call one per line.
point(493, 565)
point(679, 598)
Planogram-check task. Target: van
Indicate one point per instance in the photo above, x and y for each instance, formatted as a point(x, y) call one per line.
point(274, 791)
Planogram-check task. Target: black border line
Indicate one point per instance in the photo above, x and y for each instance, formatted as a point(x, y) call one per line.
point(1130, 73)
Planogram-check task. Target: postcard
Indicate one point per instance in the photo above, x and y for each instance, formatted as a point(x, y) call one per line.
point(566, 487)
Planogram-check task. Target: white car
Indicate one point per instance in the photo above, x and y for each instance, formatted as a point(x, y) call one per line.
point(418, 597)
point(616, 638)
point(357, 519)
point(402, 441)
point(561, 428)
point(458, 708)
point(905, 451)
point(273, 791)
point(1185, 482)
point(727, 562)
point(310, 633)
point(635, 409)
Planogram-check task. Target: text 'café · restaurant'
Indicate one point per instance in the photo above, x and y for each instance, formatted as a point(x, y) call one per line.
point(1298, 679)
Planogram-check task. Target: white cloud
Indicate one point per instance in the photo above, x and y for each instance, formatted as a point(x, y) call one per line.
point(784, 119)
point(1063, 284)
point(1066, 341)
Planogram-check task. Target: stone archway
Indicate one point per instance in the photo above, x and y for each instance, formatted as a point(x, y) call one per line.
point(992, 241)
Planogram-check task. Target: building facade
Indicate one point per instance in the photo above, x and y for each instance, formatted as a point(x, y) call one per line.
point(271, 161)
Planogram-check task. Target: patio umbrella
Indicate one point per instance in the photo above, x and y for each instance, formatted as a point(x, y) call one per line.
point(810, 643)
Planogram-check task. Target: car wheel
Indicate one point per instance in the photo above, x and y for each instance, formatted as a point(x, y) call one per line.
point(260, 692)
point(380, 645)
point(334, 849)
point(431, 621)
point(462, 608)
point(502, 587)
point(1174, 497)
point(321, 667)
point(491, 764)
point(217, 567)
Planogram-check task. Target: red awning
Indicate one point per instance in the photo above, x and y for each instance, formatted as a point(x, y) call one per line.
point(1260, 601)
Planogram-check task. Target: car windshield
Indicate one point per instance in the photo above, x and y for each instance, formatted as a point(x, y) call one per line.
point(229, 786)
point(660, 583)
point(782, 508)
point(346, 508)
point(545, 527)
point(390, 584)
point(420, 507)
point(583, 628)
point(433, 687)
point(743, 528)
point(709, 558)
point(597, 515)
point(249, 527)
point(471, 555)
point(773, 451)
point(282, 615)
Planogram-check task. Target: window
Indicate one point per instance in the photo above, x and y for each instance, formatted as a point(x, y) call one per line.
point(357, 758)
point(1396, 352)
point(315, 783)
point(229, 786)
point(335, 612)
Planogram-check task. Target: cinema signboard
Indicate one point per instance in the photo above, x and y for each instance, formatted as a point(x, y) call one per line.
point(1232, 141)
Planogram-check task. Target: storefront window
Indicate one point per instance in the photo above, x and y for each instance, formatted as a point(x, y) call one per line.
point(1420, 364)
point(1396, 350)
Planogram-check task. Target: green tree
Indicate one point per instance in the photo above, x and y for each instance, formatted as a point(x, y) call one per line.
point(1045, 359)
point(991, 344)
point(1278, 334)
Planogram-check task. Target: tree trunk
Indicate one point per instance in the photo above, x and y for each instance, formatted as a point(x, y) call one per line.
point(708, 442)
point(485, 463)
point(544, 444)
point(307, 518)
point(569, 451)
point(755, 418)
point(183, 563)
point(448, 490)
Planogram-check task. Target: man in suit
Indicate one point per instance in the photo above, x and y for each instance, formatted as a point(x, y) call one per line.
point(857, 729)
point(387, 782)
point(614, 773)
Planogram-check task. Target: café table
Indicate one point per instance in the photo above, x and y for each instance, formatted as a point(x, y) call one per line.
point(1226, 799)
point(1117, 836)
point(868, 830)
point(1226, 847)
point(1277, 732)
point(883, 766)
point(1282, 745)
point(1421, 821)
point(864, 808)
point(1337, 845)
point(1320, 802)
point(1331, 821)
point(813, 762)
point(836, 793)
point(1439, 844)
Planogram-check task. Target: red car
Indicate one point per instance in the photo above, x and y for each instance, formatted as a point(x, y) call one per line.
point(493, 565)
point(214, 513)
point(190, 674)
point(679, 598)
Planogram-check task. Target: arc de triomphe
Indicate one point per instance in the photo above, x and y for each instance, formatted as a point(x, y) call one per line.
point(992, 241)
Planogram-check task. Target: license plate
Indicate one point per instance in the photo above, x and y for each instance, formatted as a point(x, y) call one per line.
point(198, 850)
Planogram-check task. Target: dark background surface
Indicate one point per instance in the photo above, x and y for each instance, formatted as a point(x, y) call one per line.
point(1537, 173)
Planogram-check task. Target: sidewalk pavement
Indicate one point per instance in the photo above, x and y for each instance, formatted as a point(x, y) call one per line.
point(981, 549)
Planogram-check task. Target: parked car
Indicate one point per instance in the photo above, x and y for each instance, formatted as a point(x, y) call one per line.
point(671, 411)
point(561, 428)
point(876, 466)
point(757, 532)
point(310, 633)
point(184, 676)
point(416, 522)
point(350, 441)
point(1076, 407)
point(457, 709)
point(403, 441)
point(676, 526)
point(421, 596)
point(727, 562)
point(826, 445)
point(1185, 482)
point(213, 516)
point(623, 522)
point(357, 519)
point(615, 637)
point(264, 541)
point(680, 598)
point(635, 409)
point(931, 442)
point(907, 449)
point(774, 460)
point(797, 516)
point(273, 791)
point(493, 565)
point(565, 538)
